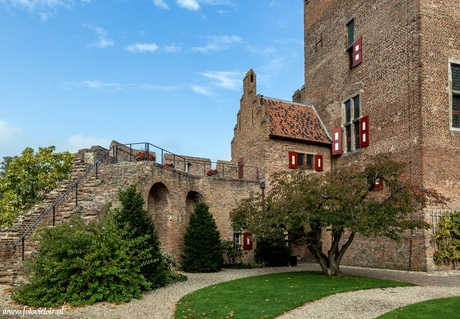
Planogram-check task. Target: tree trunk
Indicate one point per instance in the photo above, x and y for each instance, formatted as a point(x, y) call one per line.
point(330, 263)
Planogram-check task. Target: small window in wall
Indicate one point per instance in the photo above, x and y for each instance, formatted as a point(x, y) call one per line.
point(354, 47)
point(237, 237)
point(455, 94)
point(350, 32)
point(351, 123)
point(305, 160)
point(350, 40)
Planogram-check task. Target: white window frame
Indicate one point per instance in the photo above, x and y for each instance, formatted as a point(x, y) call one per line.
point(353, 121)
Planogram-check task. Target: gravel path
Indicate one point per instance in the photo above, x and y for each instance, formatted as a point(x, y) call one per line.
point(361, 304)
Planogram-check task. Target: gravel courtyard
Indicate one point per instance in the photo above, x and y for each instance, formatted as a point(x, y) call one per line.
point(360, 304)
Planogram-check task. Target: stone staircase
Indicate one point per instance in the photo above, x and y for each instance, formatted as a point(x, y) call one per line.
point(11, 259)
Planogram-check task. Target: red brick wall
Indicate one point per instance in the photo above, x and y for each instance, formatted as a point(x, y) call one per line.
point(403, 82)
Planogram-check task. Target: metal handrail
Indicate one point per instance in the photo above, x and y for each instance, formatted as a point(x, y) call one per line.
point(52, 207)
point(96, 166)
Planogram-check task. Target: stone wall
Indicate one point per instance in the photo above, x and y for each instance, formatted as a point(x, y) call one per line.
point(169, 196)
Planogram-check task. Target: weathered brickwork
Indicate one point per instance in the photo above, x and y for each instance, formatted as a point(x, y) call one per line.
point(169, 194)
point(253, 140)
point(403, 83)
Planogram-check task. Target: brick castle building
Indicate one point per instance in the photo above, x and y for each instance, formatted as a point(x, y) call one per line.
point(380, 76)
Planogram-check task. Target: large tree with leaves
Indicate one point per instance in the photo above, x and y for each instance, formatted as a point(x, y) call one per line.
point(343, 202)
point(26, 179)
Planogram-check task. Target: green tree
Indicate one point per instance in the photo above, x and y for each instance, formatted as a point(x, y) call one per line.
point(139, 224)
point(202, 244)
point(447, 237)
point(26, 180)
point(343, 202)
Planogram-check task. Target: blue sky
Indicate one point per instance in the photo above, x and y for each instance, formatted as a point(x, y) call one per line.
point(77, 73)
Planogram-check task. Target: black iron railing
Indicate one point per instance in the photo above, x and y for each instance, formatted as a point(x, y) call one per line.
point(145, 152)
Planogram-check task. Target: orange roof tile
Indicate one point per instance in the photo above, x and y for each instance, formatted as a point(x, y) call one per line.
point(296, 121)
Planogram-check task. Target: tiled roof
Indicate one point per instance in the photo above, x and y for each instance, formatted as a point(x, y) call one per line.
point(295, 121)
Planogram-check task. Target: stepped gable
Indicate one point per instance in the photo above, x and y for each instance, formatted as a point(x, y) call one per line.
point(289, 120)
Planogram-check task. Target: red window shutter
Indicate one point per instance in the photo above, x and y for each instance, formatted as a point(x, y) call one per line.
point(293, 160)
point(337, 141)
point(357, 54)
point(319, 163)
point(364, 131)
point(378, 184)
point(247, 242)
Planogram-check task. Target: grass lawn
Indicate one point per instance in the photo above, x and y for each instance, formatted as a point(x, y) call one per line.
point(445, 308)
point(269, 296)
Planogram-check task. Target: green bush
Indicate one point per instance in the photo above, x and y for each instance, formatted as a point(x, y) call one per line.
point(172, 268)
point(233, 253)
point(202, 244)
point(447, 237)
point(83, 264)
point(272, 251)
point(139, 224)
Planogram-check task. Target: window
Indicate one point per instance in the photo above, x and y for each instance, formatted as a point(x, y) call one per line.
point(354, 47)
point(237, 237)
point(350, 40)
point(352, 123)
point(308, 161)
point(455, 93)
point(351, 32)
point(302, 160)
point(305, 160)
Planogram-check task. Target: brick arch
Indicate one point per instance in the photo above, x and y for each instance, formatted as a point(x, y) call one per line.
point(191, 200)
point(159, 209)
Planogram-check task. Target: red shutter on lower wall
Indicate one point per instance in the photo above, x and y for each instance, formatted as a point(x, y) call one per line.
point(293, 160)
point(319, 163)
point(364, 131)
point(357, 52)
point(378, 184)
point(247, 242)
point(337, 141)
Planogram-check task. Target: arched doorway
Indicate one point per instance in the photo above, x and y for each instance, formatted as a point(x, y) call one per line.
point(158, 207)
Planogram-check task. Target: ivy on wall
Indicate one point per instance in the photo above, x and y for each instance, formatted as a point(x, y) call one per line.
point(447, 238)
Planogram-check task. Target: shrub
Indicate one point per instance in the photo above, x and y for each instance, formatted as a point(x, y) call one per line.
point(172, 268)
point(139, 225)
point(202, 244)
point(232, 252)
point(272, 251)
point(447, 236)
point(83, 264)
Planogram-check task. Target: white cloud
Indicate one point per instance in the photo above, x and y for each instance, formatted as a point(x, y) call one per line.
point(44, 8)
point(201, 90)
point(112, 87)
point(160, 4)
point(142, 47)
point(8, 133)
point(226, 80)
point(172, 48)
point(79, 141)
point(189, 4)
point(107, 87)
point(218, 43)
point(33, 5)
point(101, 34)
